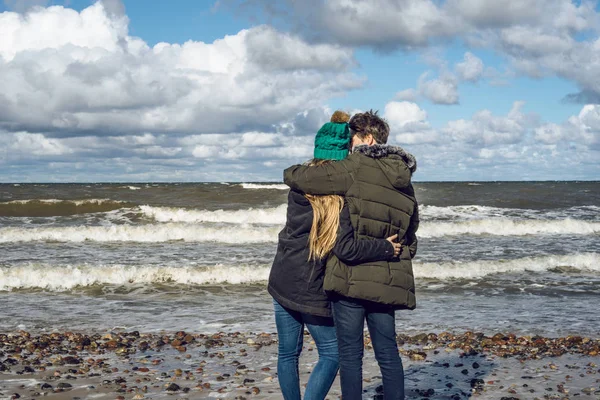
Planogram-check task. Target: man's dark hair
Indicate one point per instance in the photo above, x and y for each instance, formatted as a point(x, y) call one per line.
point(363, 124)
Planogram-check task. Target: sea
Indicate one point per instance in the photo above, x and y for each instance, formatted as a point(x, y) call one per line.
point(521, 257)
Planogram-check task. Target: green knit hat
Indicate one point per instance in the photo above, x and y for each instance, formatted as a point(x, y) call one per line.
point(332, 141)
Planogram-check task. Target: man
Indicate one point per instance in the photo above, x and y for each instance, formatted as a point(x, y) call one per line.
point(376, 181)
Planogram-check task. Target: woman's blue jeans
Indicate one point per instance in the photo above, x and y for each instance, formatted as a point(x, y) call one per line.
point(290, 328)
point(349, 316)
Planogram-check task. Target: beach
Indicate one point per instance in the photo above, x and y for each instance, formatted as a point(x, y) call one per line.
point(130, 365)
point(158, 290)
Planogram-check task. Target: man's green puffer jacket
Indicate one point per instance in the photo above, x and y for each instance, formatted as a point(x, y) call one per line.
point(376, 181)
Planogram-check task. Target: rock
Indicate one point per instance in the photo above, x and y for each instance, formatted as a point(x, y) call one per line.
point(417, 356)
point(138, 396)
point(173, 387)
point(64, 385)
point(250, 341)
point(477, 384)
point(588, 390)
point(420, 338)
point(71, 360)
point(465, 372)
point(46, 386)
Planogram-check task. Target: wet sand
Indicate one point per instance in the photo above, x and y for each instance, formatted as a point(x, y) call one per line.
point(130, 365)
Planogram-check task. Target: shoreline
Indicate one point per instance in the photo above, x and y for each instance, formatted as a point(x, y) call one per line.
point(133, 365)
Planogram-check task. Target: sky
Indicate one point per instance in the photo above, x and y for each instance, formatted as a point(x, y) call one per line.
point(235, 90)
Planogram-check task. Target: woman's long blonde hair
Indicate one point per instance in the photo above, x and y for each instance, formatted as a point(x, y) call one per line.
point(326, 220)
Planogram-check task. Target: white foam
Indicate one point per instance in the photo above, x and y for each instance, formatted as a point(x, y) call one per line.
point(274, 219)
point(67, 277)
point(507, 227)
point(264, 186)
point(61, 278)
point(56, 201)
point(142, 233)
point(478, 269)
point(469, 212)
point(464, 212)
point(269, 216)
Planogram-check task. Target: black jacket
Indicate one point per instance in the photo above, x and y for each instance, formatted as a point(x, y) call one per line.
point(297, 283)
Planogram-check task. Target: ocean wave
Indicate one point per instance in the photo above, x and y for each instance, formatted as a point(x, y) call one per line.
point(507, 227)
point(268, 216)
point(56, 207)
point(62, 278)
point(470, 212)
point(477, 269)
point(429, 215)
point(67, 277)
point(274, 186)
point(268, 229)
point(142, 233)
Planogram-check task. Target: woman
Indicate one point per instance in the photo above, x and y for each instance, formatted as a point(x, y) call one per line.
point(315, 226)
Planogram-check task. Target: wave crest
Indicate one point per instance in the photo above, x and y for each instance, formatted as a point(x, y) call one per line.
point(67, 277)
point(273, 186)
point(267, 216)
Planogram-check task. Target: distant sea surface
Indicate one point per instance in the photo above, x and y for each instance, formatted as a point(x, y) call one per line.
point(519, 257)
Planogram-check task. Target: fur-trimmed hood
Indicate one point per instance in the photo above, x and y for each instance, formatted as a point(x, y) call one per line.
point(397, 164)
point(384, 150)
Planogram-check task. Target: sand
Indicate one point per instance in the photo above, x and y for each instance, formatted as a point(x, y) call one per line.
point(179, 365)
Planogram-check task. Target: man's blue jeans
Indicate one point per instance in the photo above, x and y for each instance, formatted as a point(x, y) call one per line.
point(290, 328)
point(349, 316)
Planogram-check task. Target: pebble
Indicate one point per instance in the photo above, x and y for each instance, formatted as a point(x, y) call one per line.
point(173, 387)
point(91, 355)
point(64, 385)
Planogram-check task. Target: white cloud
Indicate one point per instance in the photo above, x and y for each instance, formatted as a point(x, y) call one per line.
point(537, 37)
point(84, 74)
point(34, 144)
point(486, 129)
point(442, 90)
point(401, 115)
point(408, 122)
point(407, 95)
point(471, 69)
point(583, 128)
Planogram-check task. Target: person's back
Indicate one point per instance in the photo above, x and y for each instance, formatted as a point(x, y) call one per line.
point(382, 203)
point(315, 226)
point(376, 180)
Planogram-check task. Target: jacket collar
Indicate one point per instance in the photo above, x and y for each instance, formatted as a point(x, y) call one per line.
point(384, 150)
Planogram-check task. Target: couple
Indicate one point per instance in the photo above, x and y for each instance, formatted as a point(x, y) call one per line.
point(334, 268)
